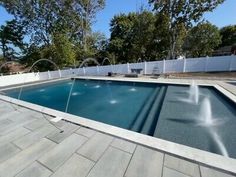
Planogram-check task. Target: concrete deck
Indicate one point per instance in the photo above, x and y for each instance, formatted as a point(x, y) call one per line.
point(31, 146)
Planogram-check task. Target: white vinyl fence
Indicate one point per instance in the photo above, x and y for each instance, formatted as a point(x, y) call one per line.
point(206, 64)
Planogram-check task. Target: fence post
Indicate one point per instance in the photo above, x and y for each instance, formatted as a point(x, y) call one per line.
point(184, 67)
point(145, 67)
point(206, 64)
point(230, 64)
point(128, 67)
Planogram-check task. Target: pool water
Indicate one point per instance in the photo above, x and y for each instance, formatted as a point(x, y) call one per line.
point(158, 110)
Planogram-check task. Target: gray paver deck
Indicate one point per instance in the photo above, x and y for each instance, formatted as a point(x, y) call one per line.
point(76, 166)
point(57, 136)
point(113, 163)
point(34, 136)
point(24, 158)
point(208, 172)
point(61, 153)
point(79, 151)
point(36, 170)
point(124, 145)
point(5, 115)
point(167, 172)
point(182, 166)
point(18, 121)
point(96, 146)
point(145, 162)
point(86, 132)
point(5, 122)
point(35, 124)
point(7, 151)
point(15, 134)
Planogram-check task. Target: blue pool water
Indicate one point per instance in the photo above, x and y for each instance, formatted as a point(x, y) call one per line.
point(154, 109)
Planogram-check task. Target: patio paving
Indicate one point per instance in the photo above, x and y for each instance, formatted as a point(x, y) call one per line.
point(31, 146)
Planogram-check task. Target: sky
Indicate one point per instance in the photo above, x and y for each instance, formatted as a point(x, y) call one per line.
point(224, 14)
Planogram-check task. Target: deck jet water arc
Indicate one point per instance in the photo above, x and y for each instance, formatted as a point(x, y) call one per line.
point(36, 62)
point(107, 59)
point(73, 83)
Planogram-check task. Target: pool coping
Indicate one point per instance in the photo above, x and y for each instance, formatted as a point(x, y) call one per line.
point(196, 155)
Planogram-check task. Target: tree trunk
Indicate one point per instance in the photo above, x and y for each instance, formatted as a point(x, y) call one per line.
point(172, 45)
point(4, 49)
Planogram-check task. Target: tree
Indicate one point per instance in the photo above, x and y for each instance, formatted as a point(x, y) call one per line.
point(11, 35)
point(64, 52)
point(182, 13)
point(121, 36)
point(61, 51)
point(88, 10)
point(55, 25)
point(228, 34)
point(143, 36)
point(133, 36)
point(43, 18)
point(202, 40)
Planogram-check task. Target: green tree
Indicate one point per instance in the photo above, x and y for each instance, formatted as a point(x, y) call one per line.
point(143, 36)
point(202, 40)
point(133, 36)
point(228, 34)
point(45, 18)
point(62, 51)
point(11, 37)
point(42, 18)
point(121, 36)
point(181, 14)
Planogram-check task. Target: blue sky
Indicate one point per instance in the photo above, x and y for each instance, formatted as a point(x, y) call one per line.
point(223, 15)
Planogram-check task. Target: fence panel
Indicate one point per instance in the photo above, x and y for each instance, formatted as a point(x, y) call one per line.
point(154, 67)
point(233, 63)
point(137, 66)
point(43, 75)
point(195, 65)
point(18, 79)
point(54, 74)
point(105, 69)
point(91, 71)
point(218, 64)
point(174, 66)
point(210, 64)
point(121, 69)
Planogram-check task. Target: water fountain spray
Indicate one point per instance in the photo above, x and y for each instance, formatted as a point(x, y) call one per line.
point(36, 62)
point(73, 83)
point(107, 59)
point(194, 93)
point(209, 122)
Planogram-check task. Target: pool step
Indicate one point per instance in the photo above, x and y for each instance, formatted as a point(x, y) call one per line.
point(152, 118)
point(139, 121)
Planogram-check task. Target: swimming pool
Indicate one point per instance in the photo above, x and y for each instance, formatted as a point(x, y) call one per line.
point(165, 111)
